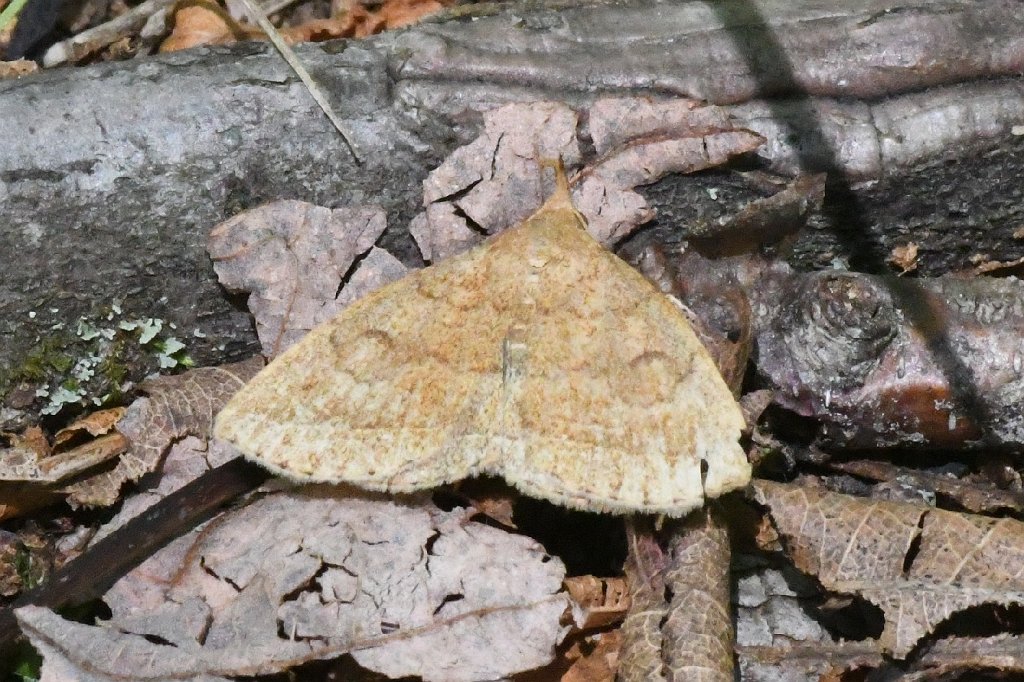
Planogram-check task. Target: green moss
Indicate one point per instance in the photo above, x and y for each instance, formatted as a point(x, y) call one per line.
point(113, 369)
point(29, 570)
point(47, 358)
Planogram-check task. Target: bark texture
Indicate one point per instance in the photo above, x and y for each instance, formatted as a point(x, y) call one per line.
point(112, 175)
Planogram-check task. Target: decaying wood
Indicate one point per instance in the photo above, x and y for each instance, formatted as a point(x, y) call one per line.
point(118, 211)
point(876, 361)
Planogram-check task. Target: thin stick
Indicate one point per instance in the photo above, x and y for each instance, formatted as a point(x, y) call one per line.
point(293, 60)
point(98, 568)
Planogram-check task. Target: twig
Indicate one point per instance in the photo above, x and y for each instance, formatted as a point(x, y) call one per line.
point(293, 60)
point(98, 568)
point(98, 37)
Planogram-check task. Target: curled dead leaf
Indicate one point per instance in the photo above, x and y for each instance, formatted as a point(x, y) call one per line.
point(174, 407)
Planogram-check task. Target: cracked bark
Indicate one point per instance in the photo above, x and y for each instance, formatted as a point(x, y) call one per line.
point(112, 175)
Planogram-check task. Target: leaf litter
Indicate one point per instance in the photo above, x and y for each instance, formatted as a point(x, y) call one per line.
point(301, 575)
point(285, 305)
point(174, 407)
point(863, 547)
point(491, 183)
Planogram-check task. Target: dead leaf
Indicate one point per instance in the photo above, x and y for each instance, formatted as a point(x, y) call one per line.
point(969, 657)
point(594, 659)
point(31, 459)
point(539, 357)
point(491, 497)
point(973, 495)
point(640, 655)
point(175, 407)
point(679, 625)
point(859, 546)
point(294, 258)
point(641, 140)
point(186, 460)
point(771, 223)
point(17, 68)
point(20, 460)
point(597, 602)
point(205, 23)
point(698, 626)
point(904, 257)
point(823, 663)
point(94, 424)
point(312, 574)
point(493, 182)
point(198, 22)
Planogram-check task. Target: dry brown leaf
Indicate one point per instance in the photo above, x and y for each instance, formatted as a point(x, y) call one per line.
point(491, 497)
point(821, 663)
point(205, 23)
point(294, 258)
point(679, 625)
point(186, 460)
point(642, 640)
point(772, 222)
point(904, 257)
point(94, 424)
point(17, 68)
point(539, 357)
point(597, 602)
point(964, 658)
point(20, 460)
point(698, 627)
point(292, 577)
point(199, 22)
point(174, 407)
point(356, 20)
point(399, 13)
point(971, 494)
point(859, 546)
point(494, 182)
point(32, 460)
point(640, 141)
point(594, 659)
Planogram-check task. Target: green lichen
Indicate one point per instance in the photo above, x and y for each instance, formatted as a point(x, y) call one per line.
point(90, 361)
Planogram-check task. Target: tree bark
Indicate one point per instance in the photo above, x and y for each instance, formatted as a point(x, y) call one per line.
point(112, 175)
